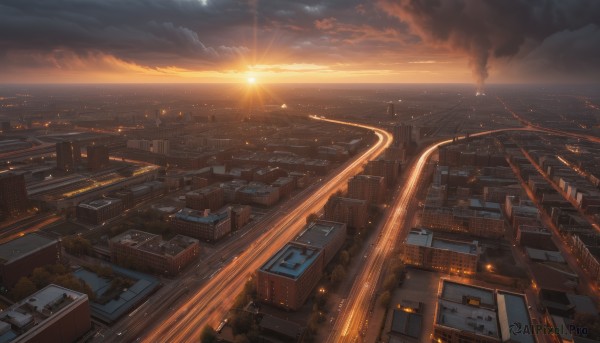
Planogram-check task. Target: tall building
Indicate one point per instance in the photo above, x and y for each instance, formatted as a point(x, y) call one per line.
point(389, 169)
point(68, 155)
point(367, 187)
point(402, 135)
point(22, 255)
point(135, 248)
point(52, 314)
point(160, 146)
point(202, 224)
point(353, 212)
point(97, 157)
point(423, 250)
point(390, 109)
point(287, 279)
point(13, 195)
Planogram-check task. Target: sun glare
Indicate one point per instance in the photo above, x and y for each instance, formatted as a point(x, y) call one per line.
point(251, 80)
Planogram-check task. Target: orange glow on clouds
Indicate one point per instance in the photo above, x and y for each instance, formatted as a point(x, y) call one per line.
point(96, 67)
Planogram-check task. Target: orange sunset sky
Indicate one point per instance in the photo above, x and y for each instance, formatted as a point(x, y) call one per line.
point(274, 41)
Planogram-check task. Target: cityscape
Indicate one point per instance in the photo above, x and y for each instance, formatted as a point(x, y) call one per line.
point(307, 171)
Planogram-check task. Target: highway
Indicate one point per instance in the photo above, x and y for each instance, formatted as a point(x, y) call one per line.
point(210, 304)
point(351, 324)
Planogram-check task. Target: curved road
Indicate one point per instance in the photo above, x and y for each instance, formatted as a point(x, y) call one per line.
point(211, 303)
point(351, 325)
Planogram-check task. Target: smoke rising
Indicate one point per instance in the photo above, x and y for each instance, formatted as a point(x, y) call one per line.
point(487, 29)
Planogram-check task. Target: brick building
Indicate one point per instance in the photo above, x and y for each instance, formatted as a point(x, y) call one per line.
point(202, 225)
point(421, 249)
point(52, 314)
point(13, 195)
point(287, 279)
point(367, 187)
point(97, 157)
point(389, 169)
point(22, 255)
point(99, 211)
point(135, 248)
point(326, 235)
point(353, 212)
point(211, 197)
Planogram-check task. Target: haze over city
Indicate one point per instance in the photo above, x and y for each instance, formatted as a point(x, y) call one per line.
point(300, 171)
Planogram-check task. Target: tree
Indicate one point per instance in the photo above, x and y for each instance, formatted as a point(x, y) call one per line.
point(390, 282)
point(385, 299)
point(312, 217)
point(23, 288)
point(338, 274)
point(40, 277)
point(208, 334)
point(77, 245)
point(344, 258)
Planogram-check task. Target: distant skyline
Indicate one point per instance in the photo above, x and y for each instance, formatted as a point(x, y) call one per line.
point(274, 41)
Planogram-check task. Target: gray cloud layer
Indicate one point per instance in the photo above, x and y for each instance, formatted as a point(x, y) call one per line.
point(500, 28)
point(210, 34)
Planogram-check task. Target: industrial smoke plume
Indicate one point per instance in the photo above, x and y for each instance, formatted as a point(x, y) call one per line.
point(487, 29)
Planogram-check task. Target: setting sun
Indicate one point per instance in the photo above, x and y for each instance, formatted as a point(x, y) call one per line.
point(251, 80)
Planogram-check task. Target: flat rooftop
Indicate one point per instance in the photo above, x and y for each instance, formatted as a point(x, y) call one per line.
point(190, 215)
point(99, 203)
point(419, 237)
point(468, 308)
point(292, 260)
point(319, 233)
point(23, 246)
point(512, 308)
point(133, 238)
point(172, 247)
point(204, 190)
point(425, 238)
point(456, 246)
point(37, 308)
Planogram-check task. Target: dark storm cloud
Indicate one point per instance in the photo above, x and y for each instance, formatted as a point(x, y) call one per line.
point(500, 28)
point(134, 30)
point(186, 33)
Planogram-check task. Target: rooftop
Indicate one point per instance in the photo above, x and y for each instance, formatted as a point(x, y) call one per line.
point(172, 247)
point(319, 233)
point(187, 214)
point(133, 238)
point(407, 323)
point(292, 260)
point(204, 190)
point(37, 308)
point(99, 203)
point(23, 246)
point(425, 238)
point(512, 308)
point(467, 308)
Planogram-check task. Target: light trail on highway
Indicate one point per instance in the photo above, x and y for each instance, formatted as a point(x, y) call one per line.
point(351, 323)
point(211, 303)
